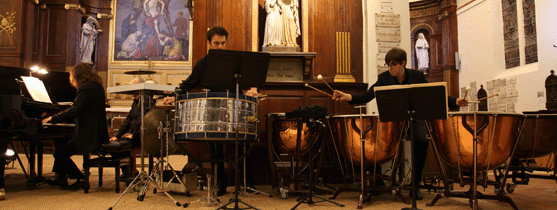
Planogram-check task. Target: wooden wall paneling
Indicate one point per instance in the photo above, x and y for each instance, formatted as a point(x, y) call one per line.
point(10, 43)
point(38, 32)
point(325, 19)
point(199, 27)
point(28, 26)
point(323, 25)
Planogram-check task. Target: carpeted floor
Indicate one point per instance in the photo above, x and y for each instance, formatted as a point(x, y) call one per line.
point(539, 194)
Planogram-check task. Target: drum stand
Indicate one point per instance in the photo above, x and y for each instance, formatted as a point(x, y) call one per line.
point(164, 164)
point(143, 176)
point(243, 189)
point(365, 190)
point(235, 200)
point(472, 194)
point(309, 197)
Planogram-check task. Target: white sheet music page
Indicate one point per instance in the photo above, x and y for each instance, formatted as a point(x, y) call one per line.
point(36, 89)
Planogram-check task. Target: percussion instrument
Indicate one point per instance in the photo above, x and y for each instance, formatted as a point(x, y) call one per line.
point(154, 121)
point(211, 116)
point(538, 136)
point(496, 134)
point(286, 134)
point(382, 138)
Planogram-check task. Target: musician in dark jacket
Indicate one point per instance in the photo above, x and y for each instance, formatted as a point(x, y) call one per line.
point(131, 131)
point(91, 131)
point(399, 75)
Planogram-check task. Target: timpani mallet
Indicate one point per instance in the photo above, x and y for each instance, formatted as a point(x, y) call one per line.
point(307, 85)
point(321, 78)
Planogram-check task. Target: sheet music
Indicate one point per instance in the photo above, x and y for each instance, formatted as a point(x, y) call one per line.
point(36, 89)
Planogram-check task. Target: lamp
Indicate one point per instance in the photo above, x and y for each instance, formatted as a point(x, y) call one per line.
point(38, 70)
point(189, 5)
point(10, 156)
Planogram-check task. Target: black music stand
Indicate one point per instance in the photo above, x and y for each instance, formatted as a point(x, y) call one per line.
point(408, 103)
point(236, 70)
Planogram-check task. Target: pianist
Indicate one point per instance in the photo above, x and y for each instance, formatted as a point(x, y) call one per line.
point(91, 131)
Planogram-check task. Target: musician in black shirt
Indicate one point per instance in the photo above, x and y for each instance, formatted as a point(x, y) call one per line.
point(216, 39)
point(131, 130)
point(399, 75)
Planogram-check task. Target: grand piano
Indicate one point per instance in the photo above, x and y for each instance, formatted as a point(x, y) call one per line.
point(20, 117)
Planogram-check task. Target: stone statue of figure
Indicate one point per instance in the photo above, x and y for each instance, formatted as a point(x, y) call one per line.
point(290, 22)
point(89, 33)
point(422, 52)
point(273, 24)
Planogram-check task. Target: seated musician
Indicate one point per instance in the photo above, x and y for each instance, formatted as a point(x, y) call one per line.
point(216, 39)
point(91, 130)
point(130, 131)
point(398, 74)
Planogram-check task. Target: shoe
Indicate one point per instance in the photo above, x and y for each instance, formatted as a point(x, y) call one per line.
point(57, 181)
point(75, 186)
point(419, 195)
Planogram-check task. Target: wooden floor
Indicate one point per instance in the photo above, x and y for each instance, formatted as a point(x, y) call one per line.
point(538, 194)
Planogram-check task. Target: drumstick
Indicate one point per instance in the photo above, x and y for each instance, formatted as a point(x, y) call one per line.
point(307, 85)
point(488, 97)
point(321, 78)
point(467, 89)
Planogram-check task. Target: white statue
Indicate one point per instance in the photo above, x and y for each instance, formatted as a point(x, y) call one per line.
point(290, 22)
point(273, 24)
point(89, 34)
point(422, 52)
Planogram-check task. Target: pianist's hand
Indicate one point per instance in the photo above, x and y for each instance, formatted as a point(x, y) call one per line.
point(168, 100)
point(45, 120)
point(113, 138)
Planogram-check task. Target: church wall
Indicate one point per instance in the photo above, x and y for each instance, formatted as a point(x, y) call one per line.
point(481, 50)
point(371, 45)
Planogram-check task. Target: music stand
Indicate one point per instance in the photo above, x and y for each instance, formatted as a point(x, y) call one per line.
point(237, 70)
point(426, 101)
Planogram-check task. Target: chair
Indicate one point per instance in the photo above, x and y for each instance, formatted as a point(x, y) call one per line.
point(107, 161)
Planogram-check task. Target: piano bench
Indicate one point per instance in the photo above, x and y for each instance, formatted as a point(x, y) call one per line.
point(103, 160)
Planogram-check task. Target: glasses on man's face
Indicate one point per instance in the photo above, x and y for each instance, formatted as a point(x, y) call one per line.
point(391, 65)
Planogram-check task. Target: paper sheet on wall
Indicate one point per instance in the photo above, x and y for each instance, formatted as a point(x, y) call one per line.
point(36, 89)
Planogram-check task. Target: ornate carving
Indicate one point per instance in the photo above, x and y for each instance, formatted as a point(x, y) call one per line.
point(7, 23)
point(74, 6)
point(104, 15)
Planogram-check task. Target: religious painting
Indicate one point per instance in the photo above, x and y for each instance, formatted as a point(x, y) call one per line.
point(150, 30)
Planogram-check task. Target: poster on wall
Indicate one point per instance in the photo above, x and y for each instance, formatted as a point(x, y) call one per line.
point(150, 30)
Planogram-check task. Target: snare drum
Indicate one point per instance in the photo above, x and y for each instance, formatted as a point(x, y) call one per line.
point(538, 137)
point(496, 137)
point(211, 116)
point(381, 138)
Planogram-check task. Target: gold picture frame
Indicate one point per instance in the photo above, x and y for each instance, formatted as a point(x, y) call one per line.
point(152, 36)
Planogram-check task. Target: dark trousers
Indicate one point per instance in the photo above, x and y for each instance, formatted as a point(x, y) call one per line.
point(218, 152)
point(63, 164)
point(127, 170)
point(3, 147)
point(421, 144)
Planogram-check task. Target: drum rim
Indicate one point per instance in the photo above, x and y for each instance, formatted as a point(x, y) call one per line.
point(356, 115)
point(214, 95)
point(484, 113)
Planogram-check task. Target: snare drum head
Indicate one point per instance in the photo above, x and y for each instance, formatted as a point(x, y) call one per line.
point(154, 120)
